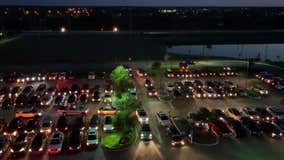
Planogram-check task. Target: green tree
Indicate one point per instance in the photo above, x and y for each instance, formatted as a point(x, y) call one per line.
point(120, 77)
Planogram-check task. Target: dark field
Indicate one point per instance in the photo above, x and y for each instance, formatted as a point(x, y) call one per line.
point(33, 48)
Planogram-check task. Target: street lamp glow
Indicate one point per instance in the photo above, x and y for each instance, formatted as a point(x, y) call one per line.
point(115, 29)
point(62, 29)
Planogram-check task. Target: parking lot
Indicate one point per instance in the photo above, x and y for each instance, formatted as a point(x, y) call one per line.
point(156, 96)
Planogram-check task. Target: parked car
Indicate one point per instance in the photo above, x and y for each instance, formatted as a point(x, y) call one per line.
point(220, 128)
point(94, 122)
point(251, 125)
point(92, 137)
point(4, 145)
point(107, 125)
point(56, 142)
point(234, 113)
point(107, 110)
point(20, 144)
point(271, 129)
point(276, 112)
point(249, 112)
point(38, 143)
point(163, 119)
point(62, 124)
point(74, 140)
point(264, 114)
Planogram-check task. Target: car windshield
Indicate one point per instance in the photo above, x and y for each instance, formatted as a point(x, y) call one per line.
point(46, 124)
point(55, 141)
point(108, 120)
point(92, 137)
point(164, 117)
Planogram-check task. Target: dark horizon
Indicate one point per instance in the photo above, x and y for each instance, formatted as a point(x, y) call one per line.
point(146, 3)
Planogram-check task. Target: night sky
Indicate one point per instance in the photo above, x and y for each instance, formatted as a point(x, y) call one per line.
point(181, 3)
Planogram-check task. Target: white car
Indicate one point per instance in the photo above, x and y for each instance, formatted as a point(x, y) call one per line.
point(108, 126)
point(92, 137)
point(142, 116)
point(46, 100)
point(163, 119)
point(56, 143)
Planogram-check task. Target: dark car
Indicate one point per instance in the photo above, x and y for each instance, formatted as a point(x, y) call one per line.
point(85, 89)
point(251, 125)
point(217, 113)
point(16, 91)
point(108, 88)
point(152, 92)
point(83, 98)
point(21, 100)
point(62, 124)
point(28, 90)
point(51, 90)
point(94, 121)
point(264, 114)
point(176, 94)
point(7, 103)
point(220, 128)
point(38, 143)
point(40, 89)
point(247, 111)
point(271, 129)
point(32, 126)
point(79, 123)
point(176, 138)
point(34, 101)
point(96, 88)
point(4, 145)
point(14, 127)
point(238, 127)
point(96, 97)
point(58, 100)
point(75, 88)
point(71, 99)
point(148, 83)
point(5, 90)
point(74, 140)
point(20, 144)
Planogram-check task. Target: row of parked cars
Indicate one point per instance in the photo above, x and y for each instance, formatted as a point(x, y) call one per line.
point(37, 136)
point(274, 80)
point(241, 123)
point(186, 72)
point(197, 89)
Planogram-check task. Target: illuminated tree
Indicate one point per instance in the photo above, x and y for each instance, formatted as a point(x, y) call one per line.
point(120, 77)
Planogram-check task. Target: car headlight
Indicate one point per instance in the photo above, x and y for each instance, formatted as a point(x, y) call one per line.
point(105, 129)
point(273, 134)
point(142, 135)
point(112, 128)
point(22, 149)
point(30, 150)
point(79, 147)
point(1, 151)
point(182, 142)
point(11, 150)
point(5, 133)
point(280, 134)
point(14, 133)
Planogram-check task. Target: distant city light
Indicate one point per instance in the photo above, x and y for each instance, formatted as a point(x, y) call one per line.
point(62, 29)
point(115, 29)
